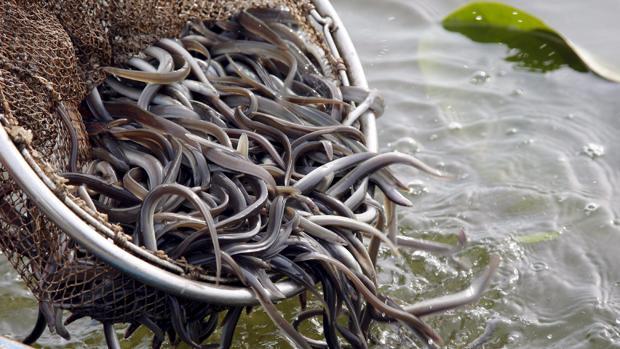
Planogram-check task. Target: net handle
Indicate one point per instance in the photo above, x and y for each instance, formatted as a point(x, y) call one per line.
point(106, 250)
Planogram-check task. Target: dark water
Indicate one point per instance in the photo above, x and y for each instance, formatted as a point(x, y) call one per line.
point(536, 172)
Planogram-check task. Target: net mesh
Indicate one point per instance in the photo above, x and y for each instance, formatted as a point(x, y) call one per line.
point(50, 56)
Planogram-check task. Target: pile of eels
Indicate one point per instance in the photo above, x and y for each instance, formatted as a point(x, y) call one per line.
point(234, 149)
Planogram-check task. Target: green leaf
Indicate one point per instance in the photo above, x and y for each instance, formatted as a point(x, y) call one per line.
point(533, 45)
point(538, 237)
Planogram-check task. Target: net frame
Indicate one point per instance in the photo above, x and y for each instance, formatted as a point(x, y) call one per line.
point(106, 242)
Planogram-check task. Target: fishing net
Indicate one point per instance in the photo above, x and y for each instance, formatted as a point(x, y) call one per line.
point(50, 57)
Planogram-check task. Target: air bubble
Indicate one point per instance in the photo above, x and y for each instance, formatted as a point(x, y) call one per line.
point(416, 188)
point(539, 266)
point(527, 141)
point(480, 77)
point(406, 145)
point(593, 150)
point(512, 131)
point(513, 337)
point(590, 208)
point(454, 126)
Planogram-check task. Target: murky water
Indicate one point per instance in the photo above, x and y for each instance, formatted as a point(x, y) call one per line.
point(536, 172)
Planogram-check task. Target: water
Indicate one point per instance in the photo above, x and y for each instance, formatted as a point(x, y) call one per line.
point(534, 155)
point(535, 166)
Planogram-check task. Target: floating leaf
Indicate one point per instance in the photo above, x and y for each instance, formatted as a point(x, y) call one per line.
point(538, 237)
point(533, 45)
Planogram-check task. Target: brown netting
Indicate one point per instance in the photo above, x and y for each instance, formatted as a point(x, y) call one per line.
point(50, 57)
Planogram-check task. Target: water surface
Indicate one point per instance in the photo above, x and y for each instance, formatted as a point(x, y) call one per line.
point(536, 172)
point(534, 154)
